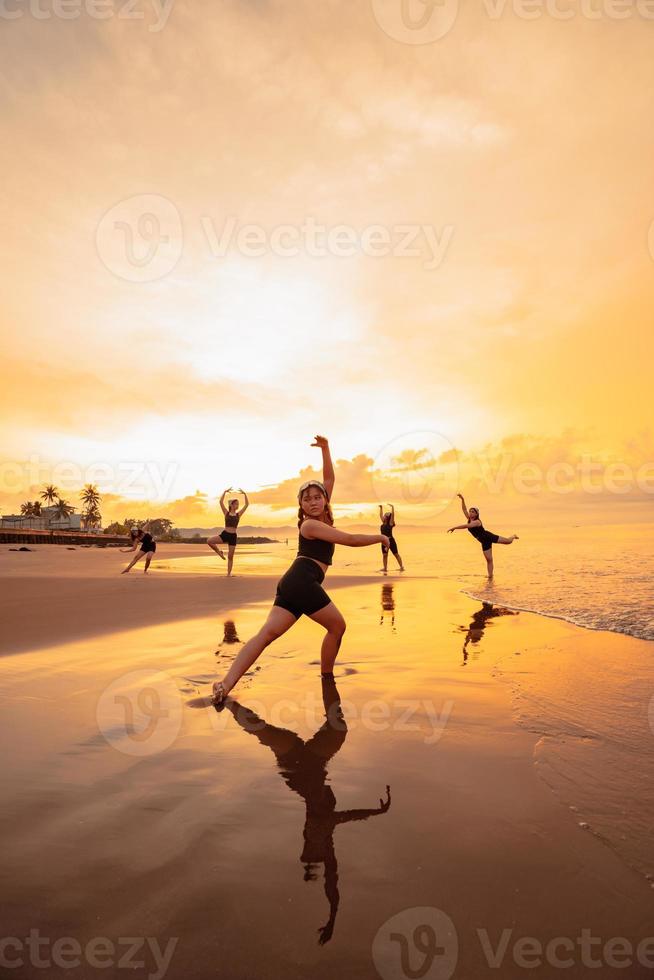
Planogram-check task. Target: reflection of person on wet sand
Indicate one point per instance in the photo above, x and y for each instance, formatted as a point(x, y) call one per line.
point(231, 636)
point(303, 766)
point(478, 624)
point(388, 604)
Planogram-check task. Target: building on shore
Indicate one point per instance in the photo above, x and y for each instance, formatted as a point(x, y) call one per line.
point(48, 520)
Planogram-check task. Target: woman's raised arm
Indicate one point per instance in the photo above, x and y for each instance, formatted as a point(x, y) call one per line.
point(328, 475)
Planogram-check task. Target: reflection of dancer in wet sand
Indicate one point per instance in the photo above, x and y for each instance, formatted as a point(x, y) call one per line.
point(387, 528)
point(228, 535)
point(486, 538)
point(388, 604)
point(479, 622)
point(299, 591)
point(230, 633)
point(141, 536)
point(303, 766)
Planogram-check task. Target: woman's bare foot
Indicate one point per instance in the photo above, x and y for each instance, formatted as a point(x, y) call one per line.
point(219, 693)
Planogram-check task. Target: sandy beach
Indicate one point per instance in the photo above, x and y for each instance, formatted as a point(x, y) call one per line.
point(131, 808)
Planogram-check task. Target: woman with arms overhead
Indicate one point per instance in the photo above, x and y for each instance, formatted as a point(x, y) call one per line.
point(228, 536)
point(387, 529)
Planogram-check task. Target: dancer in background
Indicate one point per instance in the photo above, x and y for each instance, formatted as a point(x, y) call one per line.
point(387, 527)
point(141, 536)
point(486, 538)
point(299, 591)
point(228, 535)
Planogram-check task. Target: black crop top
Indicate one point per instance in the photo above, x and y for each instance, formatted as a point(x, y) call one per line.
point(315, 548)
point(479, 532)
point(387, 529)
point(231, 520)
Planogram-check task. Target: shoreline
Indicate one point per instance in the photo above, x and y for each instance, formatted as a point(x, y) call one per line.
point(550, 615)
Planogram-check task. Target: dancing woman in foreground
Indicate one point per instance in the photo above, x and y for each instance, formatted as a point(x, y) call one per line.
point(141, 536)
point(299, 591)
point(486, 538)
point(387, 527)
point(228, 536)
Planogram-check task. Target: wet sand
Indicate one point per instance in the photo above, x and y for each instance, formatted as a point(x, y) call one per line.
point(52, 594)
point(260, 837)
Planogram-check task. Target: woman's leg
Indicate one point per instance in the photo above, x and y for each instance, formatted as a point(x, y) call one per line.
point(148, 559)
point(385, 559)
point(398, 558)
point(137, 557)
point(501, 540)
point(488, 555)
point(278, 622)
point(333, 621)
point(213, 544)
point(230, 558)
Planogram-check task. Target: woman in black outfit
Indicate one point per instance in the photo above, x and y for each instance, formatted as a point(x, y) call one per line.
point(486, 538)
point(387, 527)
point(228, 536)
point(299, 591)
point(141, 536)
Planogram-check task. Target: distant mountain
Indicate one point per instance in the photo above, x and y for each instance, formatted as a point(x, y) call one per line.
point(245, 529)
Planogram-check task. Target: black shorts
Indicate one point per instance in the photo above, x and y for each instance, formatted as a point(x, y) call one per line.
point(150, 548)
point(300, 591)
point(392, 546)
point(488, 541)
point(228, 537)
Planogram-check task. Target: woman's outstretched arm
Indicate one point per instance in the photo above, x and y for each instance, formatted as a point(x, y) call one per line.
point(222, 500)
point(344, 816)
point(328, 475)
point(464, 527)
point(245, 505)
point(463, 506)
point(325, 532)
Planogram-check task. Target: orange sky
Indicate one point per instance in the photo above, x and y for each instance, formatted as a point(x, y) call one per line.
point(519, 152)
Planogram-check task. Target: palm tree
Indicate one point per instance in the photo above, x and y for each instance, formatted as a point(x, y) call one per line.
point(36, 508)
point(91, 500)
point(63, 509)
point(90, 495)
point(50, 494)
point(92, 517)
point(27, 509)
